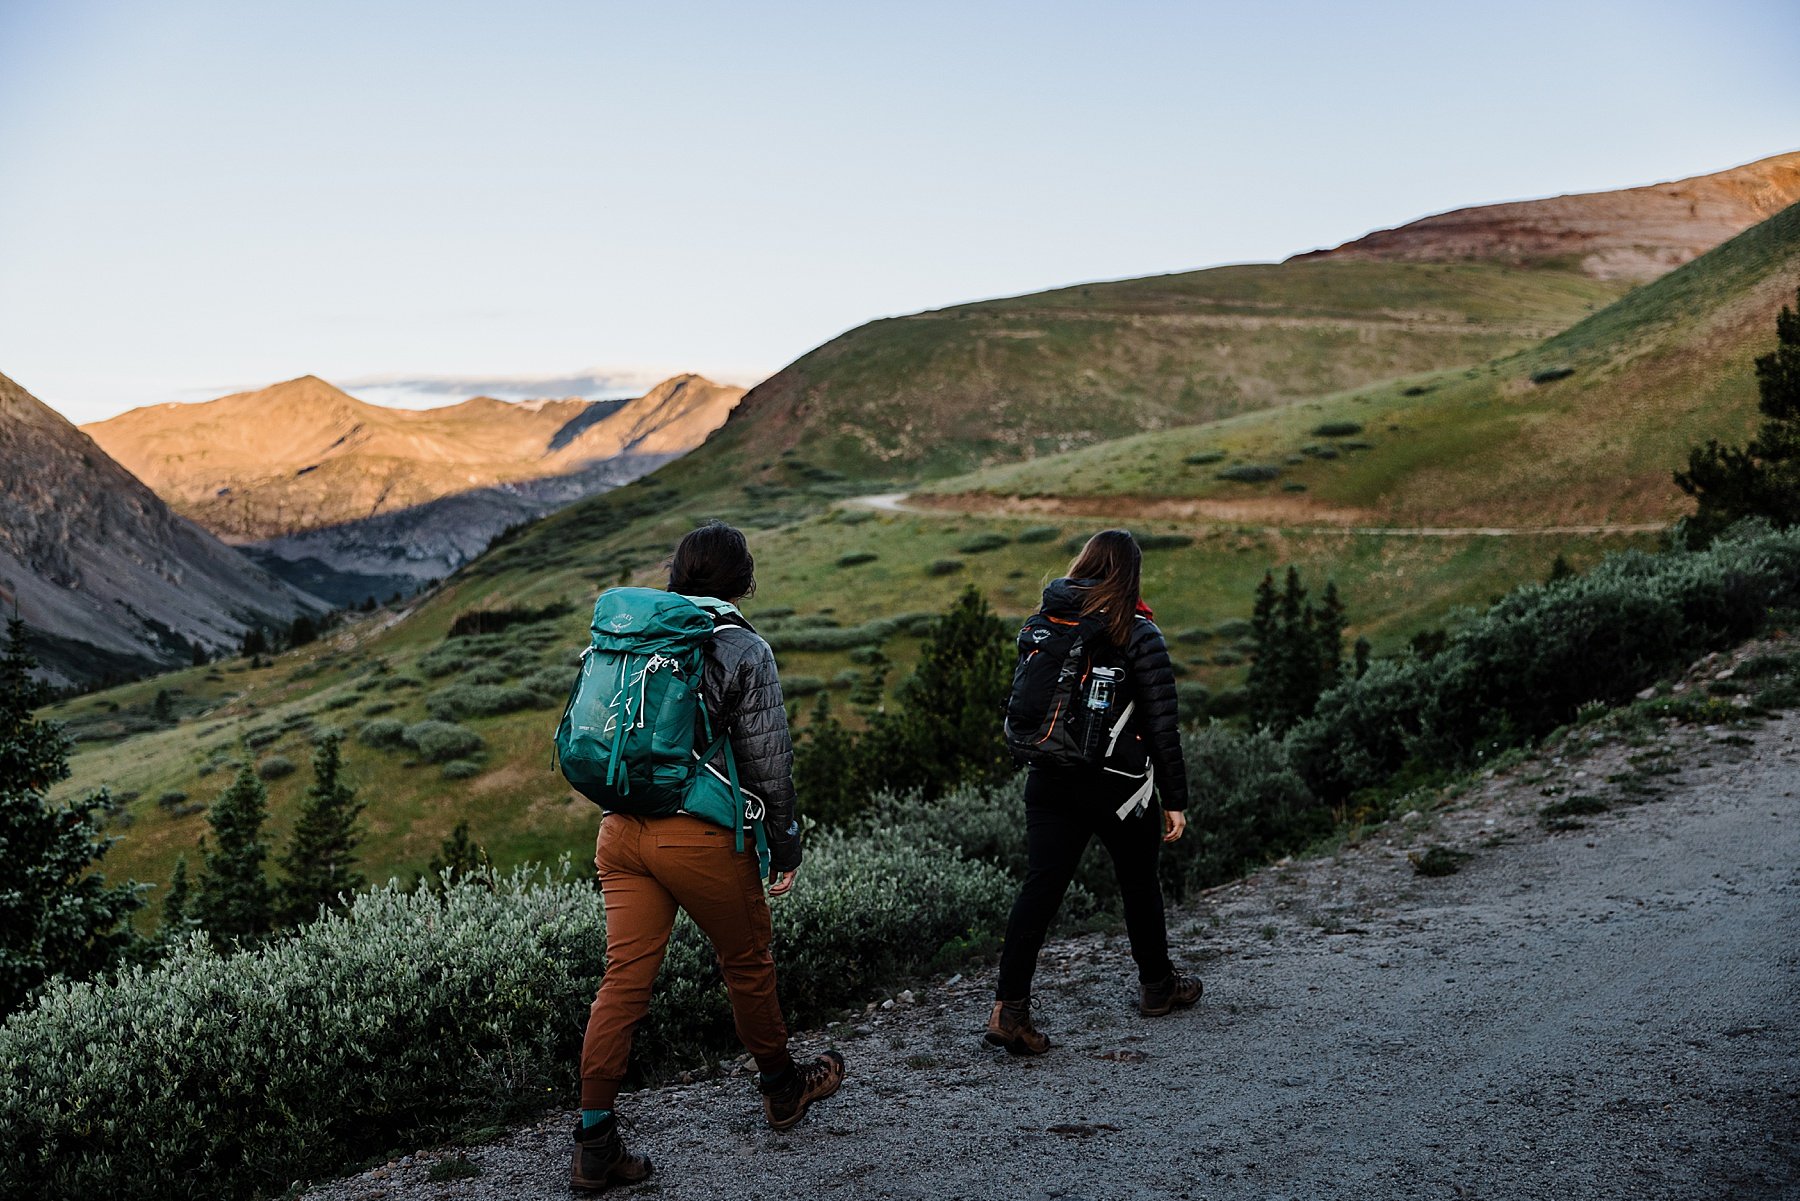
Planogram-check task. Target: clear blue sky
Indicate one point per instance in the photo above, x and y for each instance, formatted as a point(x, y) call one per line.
point(202, 196)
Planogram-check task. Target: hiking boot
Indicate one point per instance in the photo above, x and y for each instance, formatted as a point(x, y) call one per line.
point(785, 1099)
point(1009, 1026)
point(1154, 1000)
point(601, 1159)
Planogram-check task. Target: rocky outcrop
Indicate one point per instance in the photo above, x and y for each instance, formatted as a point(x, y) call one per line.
point(1635, 233)
point(111, 581)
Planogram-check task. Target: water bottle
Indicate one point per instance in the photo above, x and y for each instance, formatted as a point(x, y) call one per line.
point(1103, 683)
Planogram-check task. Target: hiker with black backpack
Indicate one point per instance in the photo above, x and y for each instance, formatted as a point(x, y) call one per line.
point(676, 729)
point(1092, 713)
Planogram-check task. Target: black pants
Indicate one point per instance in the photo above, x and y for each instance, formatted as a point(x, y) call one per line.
point(1063, 809)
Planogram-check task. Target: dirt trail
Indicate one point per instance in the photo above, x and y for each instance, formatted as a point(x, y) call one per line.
point(1607, 1012)
point(1208, 515)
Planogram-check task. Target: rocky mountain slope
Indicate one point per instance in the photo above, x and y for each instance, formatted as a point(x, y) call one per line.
point(302, 455)
point(350, 499)
point(111, 581)
point(1635, 234)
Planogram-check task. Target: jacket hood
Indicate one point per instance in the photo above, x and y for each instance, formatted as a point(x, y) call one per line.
point(1062, 597)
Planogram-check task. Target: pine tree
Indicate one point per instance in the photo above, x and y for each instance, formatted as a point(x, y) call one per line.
point(826, 766)
point(1362, 654)
point(951, 703)
point(197, 655)
point(1265, 654)
point(1328, 626)
point(58, 917)
point(1761, 479)
point(234, 901)
point(177, 920)
point(319, 863)
point(1297, 651)
point(460, 855)
point(255, 641)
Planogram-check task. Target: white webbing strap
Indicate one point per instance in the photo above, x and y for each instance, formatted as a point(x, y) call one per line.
point(1139, 799)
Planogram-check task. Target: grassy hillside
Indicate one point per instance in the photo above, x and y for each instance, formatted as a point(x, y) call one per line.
point(955, 388)
point(1583, 428)
point(1474, 445)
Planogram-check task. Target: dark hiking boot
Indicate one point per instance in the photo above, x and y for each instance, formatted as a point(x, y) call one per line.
point(1154, 1000)
point(1009, 1026)
point(785, 1100)
point(601, 1159)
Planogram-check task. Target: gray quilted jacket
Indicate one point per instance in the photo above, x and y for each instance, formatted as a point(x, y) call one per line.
point(743, 692)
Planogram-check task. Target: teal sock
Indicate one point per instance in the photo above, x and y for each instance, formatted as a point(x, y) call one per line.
point(593, 1117)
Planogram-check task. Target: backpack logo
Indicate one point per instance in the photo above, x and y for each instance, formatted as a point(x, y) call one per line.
point(1040, 634)
point(620, 622)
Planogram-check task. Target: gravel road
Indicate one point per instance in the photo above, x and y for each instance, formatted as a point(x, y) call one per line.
point(1602, 1012)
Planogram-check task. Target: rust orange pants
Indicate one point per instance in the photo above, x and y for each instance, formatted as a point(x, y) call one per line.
point(649, 867)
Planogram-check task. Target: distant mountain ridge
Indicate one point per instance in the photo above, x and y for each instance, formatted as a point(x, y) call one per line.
point(303, 454)
point(109, 579)
point(351, 500)
point(1633, 233)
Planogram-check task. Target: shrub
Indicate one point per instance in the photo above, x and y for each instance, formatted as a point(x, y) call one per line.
point(1550, 375)
point(1293, 486)
point(386, 732)
point(275, 767)
point(461, 769)
point(982, 543)
point(1164, 541)
point(793, 686)
point(856, 558)
point(492, 621)
point(1249, 473)
point(1531, 662)
point(441, 741)
point(486, 673)
point(171, 798)
point(413, 1011)
point(1202, 458)
point(261, 738)
point(1037, 533)
point(1337, 429)
point(481, 700)
point(379, 707)
point(945, 567)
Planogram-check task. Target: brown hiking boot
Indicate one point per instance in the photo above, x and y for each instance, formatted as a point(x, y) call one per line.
point(1154, 1000)
point(785, 1101)
point(601, 1159)
point(1009, 1026)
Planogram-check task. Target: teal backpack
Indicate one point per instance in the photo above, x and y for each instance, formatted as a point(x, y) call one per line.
point(635, 736)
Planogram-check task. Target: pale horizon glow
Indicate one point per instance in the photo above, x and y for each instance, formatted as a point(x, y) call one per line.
point(423, 203)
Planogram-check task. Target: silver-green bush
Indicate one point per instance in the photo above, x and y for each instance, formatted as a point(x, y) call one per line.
point(441, 741)
point(211, 1075)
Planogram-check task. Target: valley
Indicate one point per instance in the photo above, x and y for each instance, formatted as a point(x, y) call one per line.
point(1424, 434)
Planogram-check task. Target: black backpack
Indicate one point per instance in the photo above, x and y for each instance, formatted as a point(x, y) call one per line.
point(1069, 701)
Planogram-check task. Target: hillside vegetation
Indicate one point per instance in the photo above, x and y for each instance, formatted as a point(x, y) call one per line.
point(1583, 428)
point(843, 587)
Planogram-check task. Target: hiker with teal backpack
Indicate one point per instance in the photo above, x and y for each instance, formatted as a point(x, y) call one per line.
point(676, 729)
point(1092, 713)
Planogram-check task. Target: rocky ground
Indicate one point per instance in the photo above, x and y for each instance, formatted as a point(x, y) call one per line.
point(1592, 1005)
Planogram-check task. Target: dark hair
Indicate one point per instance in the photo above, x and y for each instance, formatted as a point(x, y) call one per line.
point(713, 560)
point(1110, 569)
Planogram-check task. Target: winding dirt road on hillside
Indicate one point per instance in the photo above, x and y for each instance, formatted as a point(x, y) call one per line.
point(1605, 1012)
point(1206, 514)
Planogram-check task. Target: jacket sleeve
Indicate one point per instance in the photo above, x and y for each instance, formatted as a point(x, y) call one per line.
point(1153, 684)
point(752, 705)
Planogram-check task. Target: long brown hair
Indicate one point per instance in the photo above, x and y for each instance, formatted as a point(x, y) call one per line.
point(1110, 569)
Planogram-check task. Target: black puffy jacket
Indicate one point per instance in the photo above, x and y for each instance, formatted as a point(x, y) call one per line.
point(1150, 675)
point(743, 693)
